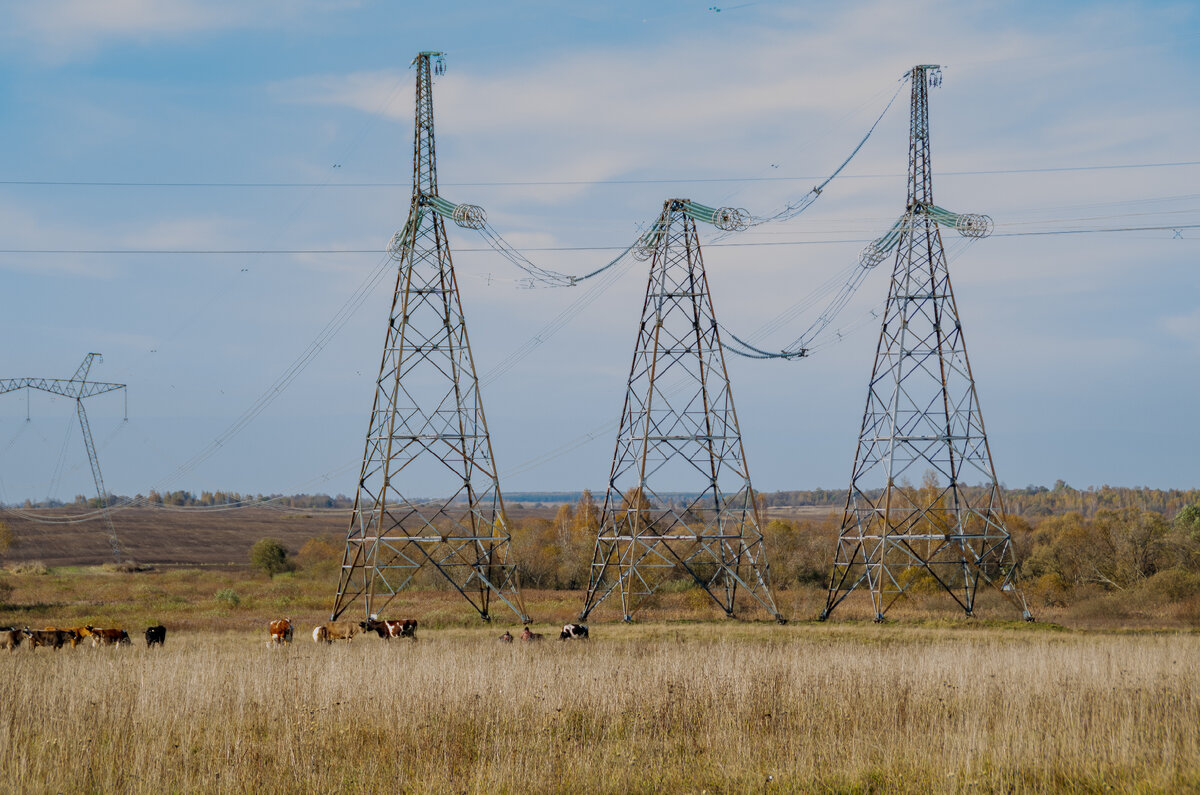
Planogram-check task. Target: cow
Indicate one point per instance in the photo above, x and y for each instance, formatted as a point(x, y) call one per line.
point(79, 633)
point(281, 632)
point(156, 636)
point(574, 631)
point(11, 638)
point(54, 638)
point(335, 630)
point(506, 637)
point(404, 628)
point(108, 637)
point(531, 637)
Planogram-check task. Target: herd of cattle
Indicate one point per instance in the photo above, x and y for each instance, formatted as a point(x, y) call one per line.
point(56, 637)
point(281, 632)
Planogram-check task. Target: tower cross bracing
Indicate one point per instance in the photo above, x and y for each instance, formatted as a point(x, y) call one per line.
point(678, 430)
point(427, 433)
point(922, 423)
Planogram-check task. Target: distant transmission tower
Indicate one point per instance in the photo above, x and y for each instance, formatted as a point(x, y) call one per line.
point(78, 387)
point(679, 430)
point(427, 429)
point(922, 422)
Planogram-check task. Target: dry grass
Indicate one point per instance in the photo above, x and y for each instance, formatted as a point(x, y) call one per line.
point(662, 707)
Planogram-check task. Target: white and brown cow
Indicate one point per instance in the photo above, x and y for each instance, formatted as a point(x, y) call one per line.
point(335, 630)
point(281, 632)
point(574, 632)
point(109, 637)
point(404, 628)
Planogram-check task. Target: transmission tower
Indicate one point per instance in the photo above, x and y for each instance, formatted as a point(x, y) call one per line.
point(922, 422)
point(427, 428)
point(78, 388)
point(678, 429)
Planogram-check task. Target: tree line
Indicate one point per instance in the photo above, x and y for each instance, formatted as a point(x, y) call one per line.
point(1030, 501)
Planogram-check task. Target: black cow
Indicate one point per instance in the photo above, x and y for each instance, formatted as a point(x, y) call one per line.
point(404, 628)
point(156, 636)
point(574, 631)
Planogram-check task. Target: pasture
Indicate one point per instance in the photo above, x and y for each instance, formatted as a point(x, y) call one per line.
point(667, 706)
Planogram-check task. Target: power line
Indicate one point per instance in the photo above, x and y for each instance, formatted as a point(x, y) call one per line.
point(570, 182)
point(285, 251)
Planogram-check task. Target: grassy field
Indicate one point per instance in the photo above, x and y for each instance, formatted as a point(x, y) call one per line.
point(680, 707)
point(1100, 695)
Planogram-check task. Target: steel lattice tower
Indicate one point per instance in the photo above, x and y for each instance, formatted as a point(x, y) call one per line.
point(678, 427)
point(78, 387)
point(427, 424)
point(922, 421)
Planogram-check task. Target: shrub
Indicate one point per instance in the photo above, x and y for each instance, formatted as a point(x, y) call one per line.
point(228, 597)
point(271, 556)
point(1050, 589)
point(30, 567)
point(124, 567)
point(319, 556)
point(1174, 584)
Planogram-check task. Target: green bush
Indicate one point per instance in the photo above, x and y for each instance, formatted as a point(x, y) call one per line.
point(270, 556)
point(228, 597)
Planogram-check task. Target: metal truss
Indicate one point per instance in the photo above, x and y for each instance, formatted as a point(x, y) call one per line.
point(427, 426)
point(678, 427)
point(78, 387)
point(922, 423)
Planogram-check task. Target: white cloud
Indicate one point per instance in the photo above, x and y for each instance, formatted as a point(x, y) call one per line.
point(64, 30)
point(1186, 327)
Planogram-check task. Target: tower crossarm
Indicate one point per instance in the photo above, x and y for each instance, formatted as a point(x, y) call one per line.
point(974, 225)
point(59, 386)
point(468, 216)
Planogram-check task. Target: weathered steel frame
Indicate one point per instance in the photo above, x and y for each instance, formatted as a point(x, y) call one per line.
point(715, 537)
point(464, 535)
point(922, 409)
point(78, 388)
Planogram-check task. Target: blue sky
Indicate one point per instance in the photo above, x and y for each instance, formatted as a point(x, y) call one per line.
point(1085, 346)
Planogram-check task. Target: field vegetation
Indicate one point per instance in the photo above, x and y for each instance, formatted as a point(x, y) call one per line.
point(680, 707)
point(1102, 693)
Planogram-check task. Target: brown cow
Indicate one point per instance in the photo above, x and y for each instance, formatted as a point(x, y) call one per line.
point(281, 632)
point(11, 638)
point(335, 630)
point(531, 637)
point(54, 638)
point(405, 628)
point(109, 637)
point(80, 634)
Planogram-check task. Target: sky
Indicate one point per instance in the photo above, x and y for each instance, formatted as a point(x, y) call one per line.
point(149, 146)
